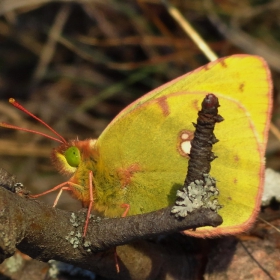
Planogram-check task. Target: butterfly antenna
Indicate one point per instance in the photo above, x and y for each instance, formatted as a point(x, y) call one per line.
point(6, 125)
point(20, 107)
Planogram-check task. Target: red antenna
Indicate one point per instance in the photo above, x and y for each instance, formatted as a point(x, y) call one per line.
point(20, 107)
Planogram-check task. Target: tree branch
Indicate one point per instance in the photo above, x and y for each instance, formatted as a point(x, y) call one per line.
point(45, 233)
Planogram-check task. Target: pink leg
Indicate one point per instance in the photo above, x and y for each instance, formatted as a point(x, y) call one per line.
point(61, 187)
point(116, 261)
point(59, 194)
point(51, 190)
point(90, 203)
point(127, 206)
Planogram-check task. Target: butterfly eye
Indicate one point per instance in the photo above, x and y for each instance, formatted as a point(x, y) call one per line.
point(72, 156)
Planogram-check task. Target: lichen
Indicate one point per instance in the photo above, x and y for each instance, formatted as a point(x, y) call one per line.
point(74, 236)
point(198, 194)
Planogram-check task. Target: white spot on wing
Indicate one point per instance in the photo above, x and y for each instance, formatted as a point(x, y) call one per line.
point(184, 142)
point(185, 136)
point(186, 147)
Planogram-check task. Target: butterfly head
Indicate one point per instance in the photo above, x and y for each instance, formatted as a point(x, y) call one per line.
point(69, 156)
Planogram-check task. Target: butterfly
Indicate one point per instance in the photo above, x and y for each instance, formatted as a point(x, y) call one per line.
point(140, 160)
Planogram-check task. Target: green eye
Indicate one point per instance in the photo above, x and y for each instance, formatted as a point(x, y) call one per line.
point(72, 156)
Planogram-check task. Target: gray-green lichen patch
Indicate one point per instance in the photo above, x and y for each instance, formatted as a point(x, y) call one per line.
point(198, 194)
point(74, 238)
point(86, 245)
point(75, 235)
point(73, 220)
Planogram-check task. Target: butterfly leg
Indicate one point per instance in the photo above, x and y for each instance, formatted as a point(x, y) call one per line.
point(61, 187)
point(127, 206)
point(49, 191)
point(116, 260)
point(59, 194)
point(90, 203)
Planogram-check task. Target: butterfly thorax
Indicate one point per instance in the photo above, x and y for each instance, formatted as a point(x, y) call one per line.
point(77, 159)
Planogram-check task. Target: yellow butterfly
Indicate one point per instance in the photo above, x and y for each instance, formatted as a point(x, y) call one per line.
point(141, 158)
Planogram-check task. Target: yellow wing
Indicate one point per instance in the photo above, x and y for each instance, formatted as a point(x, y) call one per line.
point(141, 162)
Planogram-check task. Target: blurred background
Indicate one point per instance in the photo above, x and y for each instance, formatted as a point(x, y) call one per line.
point(77, 64)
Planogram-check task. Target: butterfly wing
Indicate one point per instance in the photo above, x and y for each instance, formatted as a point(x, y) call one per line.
point(141, 159)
